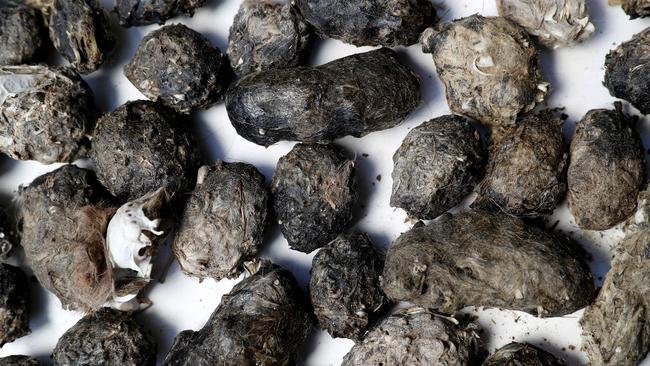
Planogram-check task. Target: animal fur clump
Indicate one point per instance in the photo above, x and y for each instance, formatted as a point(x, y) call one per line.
point(615, 328)
point(627, 70)
point(145, 12)
point(314, 190)
point(437, 166)
point(516, 354)
point(526, 171)
point(389, 23)
point(555, 23)
point(142, 146)
point(607, 169)
point(46, 113)
point(20, 360)
point(106, 337)
point(351, 96)
point(267, 35)
point(490, 260)
point(14, 312)
point(416, 337)
point(262, 321)
point(63, 217)
point(224, 221)
point(344, 285)
point(179, 67)
point(489, 66)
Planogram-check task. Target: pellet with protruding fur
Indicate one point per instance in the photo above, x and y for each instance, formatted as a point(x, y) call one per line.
point(488, 260)
point(437, 166)
point(46, 113)
point(627, 71)
point(263, 321)
point(224, 221)
point(14, 311)
point(344, 285)
point(416, 337)
point(267, 35)
point(607, 169)
point(388, 23)
point(314, 192)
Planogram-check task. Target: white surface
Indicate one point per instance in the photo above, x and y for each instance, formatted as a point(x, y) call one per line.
point(181, 303)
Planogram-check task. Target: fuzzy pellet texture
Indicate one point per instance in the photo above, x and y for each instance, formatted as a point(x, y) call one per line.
point(344, 286)
point(107, 337)
point(14, 311)
point(635, 8)
point(8, 235)
point(526, 172)
point(22, 33)
point(63, 236)
point(490, 260)
point(145, 12)
point(489, 66)
point(180, 68)
point(616, 327)
point(80, 31)
point(520, 354)
point(388, 23)
point(555, 23)
point(354, 95)
point(46, 113)
point(416, 337)
point(267, 35)
point(314, 192)
point(20, 360)
point(607, 169)
point(142, 146)
point(263, 321)
point(224, 221)
point(437, 165)
point(627, 71)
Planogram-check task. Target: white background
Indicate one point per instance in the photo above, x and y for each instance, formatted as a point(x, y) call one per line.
point(181, 303)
